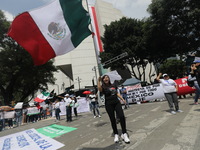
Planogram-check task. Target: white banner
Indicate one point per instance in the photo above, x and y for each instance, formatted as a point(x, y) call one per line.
point(28, 140)
point(83, 106)
point(9, 114)
point(32, 110)
point(150, 92)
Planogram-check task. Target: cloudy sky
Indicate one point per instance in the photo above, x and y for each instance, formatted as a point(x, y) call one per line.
point(130, 8)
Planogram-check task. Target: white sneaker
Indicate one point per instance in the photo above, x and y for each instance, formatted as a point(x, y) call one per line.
point(95, 116)
point(173, 112)
point(99, 116)
point(116, 139)
point(125, 138)
point(179, 111)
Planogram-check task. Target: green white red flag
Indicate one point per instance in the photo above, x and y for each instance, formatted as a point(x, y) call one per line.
point(42, 97)
point(52, 30)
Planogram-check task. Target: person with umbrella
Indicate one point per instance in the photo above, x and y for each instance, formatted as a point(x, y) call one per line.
point(112, 105)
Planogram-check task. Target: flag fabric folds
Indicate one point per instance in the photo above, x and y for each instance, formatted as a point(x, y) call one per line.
point(52, 30)
point(42, 97)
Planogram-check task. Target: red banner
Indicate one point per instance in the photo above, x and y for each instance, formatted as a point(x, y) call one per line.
point(183, 87)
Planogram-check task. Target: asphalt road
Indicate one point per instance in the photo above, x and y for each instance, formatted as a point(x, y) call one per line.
point(150, 127)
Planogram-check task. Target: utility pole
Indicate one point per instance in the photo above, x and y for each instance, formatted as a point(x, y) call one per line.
point(79, 81)
point(95, 70)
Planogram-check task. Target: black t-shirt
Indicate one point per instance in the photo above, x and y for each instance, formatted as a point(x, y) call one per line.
point(110, 94)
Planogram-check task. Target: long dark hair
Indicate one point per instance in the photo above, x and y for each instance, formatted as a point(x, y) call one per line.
point(105, 85)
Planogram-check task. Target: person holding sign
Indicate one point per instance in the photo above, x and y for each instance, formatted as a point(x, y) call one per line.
point(112, 104)
point(170, 89)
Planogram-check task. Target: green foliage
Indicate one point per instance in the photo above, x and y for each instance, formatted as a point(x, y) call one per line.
point(174, 26)
point(19, 77)
point(174, 68)
point(125, 35)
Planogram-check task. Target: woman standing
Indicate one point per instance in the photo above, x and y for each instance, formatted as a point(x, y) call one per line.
point(112, 104)
point(170, 89)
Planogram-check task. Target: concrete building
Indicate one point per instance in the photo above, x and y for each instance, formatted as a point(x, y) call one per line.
point(78, 66)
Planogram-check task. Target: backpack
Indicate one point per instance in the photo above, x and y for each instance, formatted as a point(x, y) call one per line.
point(190, 83)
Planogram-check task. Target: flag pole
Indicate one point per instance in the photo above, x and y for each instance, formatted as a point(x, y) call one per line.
point(95, 44)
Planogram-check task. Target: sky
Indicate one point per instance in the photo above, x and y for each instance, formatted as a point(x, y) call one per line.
point(130, 8)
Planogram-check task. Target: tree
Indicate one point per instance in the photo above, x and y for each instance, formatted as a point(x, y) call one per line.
point(126, 35)
point(174, 68)
point(19, 77)
point(174, 26)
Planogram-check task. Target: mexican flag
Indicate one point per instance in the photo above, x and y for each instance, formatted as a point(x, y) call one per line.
point(52, 30)
point(42, 97)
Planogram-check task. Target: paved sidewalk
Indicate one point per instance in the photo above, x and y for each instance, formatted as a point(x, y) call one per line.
point(150, 127)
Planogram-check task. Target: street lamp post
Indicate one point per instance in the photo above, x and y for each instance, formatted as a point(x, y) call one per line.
point(95, 70)
point(79, 81)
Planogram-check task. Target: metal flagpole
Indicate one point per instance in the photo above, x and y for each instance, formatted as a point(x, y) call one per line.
point(95, 44)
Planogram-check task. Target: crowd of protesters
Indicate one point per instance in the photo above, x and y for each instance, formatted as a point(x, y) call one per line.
point(11, 117)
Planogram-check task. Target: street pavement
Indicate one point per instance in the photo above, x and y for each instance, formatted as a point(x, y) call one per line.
point(150, 127)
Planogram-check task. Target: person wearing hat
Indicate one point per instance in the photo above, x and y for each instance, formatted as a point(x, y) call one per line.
point(170, 89)
point(68, 102)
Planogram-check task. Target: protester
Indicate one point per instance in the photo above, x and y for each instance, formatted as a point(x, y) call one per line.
point(112, 104)
point(44, 111)
point(170, 89)
point(68, 101)
point(18, 117)
point(1, 120)
point(75, 106)
point(93, 100)
point(192, 77)
point(123, 93)
point(57, 110)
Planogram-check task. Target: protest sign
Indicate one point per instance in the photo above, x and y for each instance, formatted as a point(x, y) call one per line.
point(28, 140)
point(19, 105)
point(146, 93)
point(55, 130)
point(8, 114)
point(32, 111)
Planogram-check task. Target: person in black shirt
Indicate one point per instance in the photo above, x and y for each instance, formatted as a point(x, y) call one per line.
point(112, 104)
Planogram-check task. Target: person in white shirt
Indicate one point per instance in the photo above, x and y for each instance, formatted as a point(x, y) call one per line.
point(68, 103)
point(170, 89)
point(93, 100)
point(57, 109)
